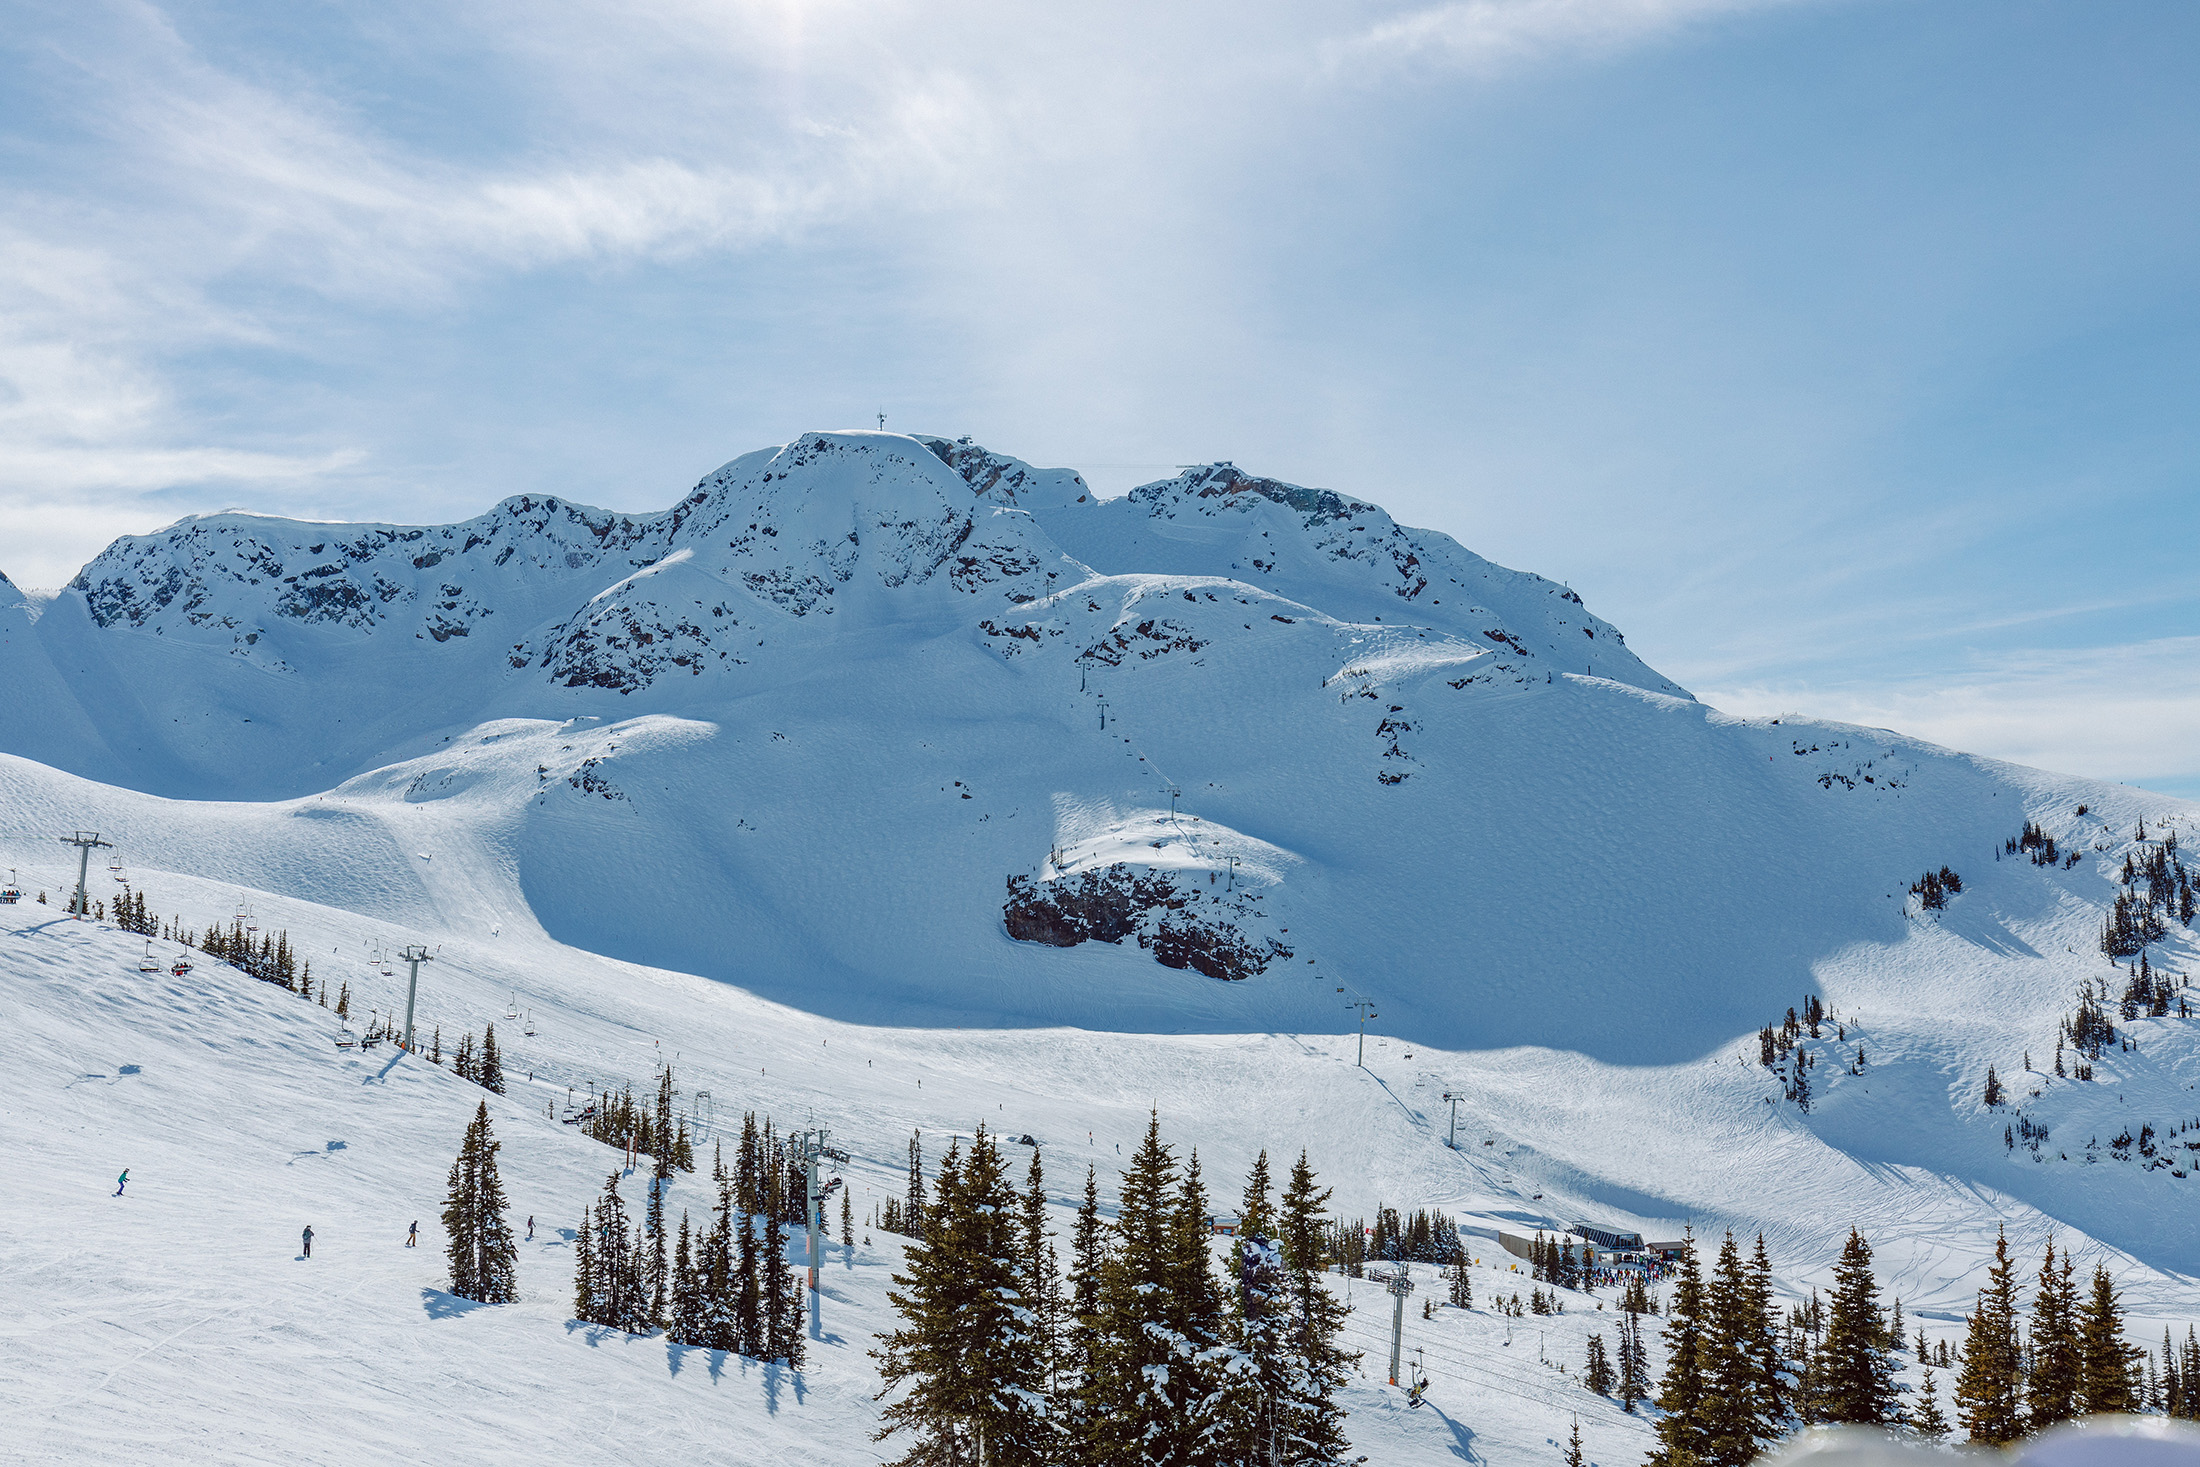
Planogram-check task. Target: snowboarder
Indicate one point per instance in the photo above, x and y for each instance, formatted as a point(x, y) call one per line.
point(412, 1237)
point(122, 1181)
point(306, 1240)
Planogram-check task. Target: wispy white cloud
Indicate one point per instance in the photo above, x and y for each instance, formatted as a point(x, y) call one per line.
point(1487, 35)
point(2128, 713)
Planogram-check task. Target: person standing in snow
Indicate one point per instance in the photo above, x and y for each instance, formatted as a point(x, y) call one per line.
point(530, 1227)
point(412, 1238)
point(122, 1181)
point(306, 1240)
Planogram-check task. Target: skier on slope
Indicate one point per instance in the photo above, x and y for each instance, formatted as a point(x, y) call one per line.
point(122, 1181)
point(412, 1236)
point(306, 1241)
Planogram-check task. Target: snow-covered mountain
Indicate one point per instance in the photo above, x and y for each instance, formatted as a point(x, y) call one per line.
point(938, 735)
point(896, 736)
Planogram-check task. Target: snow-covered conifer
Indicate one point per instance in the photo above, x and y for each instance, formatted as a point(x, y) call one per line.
point(1682, 1437)
point(2108, 1360)
point(1855, 1376)
point(962, 1367)
point(492, 1065)
point(2052, 1388)
point(1990, 1385)
point(484, 1261)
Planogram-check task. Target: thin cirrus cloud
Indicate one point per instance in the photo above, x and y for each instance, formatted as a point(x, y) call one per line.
point(2123, 713)
point(1753, 318)
point(1487, 35)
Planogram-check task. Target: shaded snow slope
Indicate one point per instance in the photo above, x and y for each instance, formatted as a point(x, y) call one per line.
point(176, 1321)
point(862, 697)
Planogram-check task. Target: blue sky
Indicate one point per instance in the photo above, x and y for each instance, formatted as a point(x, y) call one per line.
point(1846, 353)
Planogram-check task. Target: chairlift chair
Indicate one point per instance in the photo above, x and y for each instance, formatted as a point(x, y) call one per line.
point(529, 1031)
point(11, 893)
point(182, 967)
point(346, 1040)
point(511, 1010)
point(148, 963)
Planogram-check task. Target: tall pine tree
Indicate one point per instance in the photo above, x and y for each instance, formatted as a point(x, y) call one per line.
point(2051, 1393)
point(1990, 1383)
point(965, 1379)
point(484, 1261)
point(1683, 1437)
point(1855, 1376)
point(2106, 1358)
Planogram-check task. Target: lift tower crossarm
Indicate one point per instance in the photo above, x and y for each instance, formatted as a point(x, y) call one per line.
point(84, 841)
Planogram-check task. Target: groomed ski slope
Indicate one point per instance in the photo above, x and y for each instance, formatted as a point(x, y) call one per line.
point(176, 1320)
point(744, 784)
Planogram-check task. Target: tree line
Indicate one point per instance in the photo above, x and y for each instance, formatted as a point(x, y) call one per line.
point(726, 1285)
point(1138, 1352)
point(1737, 1379)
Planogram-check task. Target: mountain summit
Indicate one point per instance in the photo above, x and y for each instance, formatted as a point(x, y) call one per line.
point(915, 732)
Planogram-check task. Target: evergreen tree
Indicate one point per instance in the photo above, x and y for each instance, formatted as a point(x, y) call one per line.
point(681, 1323)
point(343, 1002)
point(1042, 1281)
point(1683, 1438)
point(1925, 1417)
point(663, 1152)
point(584, 1269)
point(484, 1261)
point(1990, 1383)
point(2051, 1392)
point(1634, 1362)
point(913, 1205)
point(783, 1303)
point(492, 1067)
point(658, 1280)
point(1855, 1377)
point(1256, 1217)
point(2105, 1358)
point(615, 1289)
point(2173, 1380)
point(1319, 1366)
point(847, 1219)
point(1738, 1414)
point(1462, 1286)
point(1080, 1326)
point(745, 1306)
point(966, 1380)
point(1573, 1447)
point(1596, 1373)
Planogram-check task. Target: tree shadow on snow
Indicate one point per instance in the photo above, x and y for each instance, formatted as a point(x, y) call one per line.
point(440, 1305)
point(1979, 926)
point(776, 1375)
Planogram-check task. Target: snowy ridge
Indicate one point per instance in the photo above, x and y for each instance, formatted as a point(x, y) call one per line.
point(899, 747)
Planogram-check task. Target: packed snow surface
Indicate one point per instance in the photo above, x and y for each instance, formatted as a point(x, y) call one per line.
point(763, 784)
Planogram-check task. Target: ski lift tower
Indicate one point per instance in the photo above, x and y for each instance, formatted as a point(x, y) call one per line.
point(414, 955)
point(813, 1149)
point(1366, 1007)
point(1454, 1097)
point(1399, 1285)
point(85, 842)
